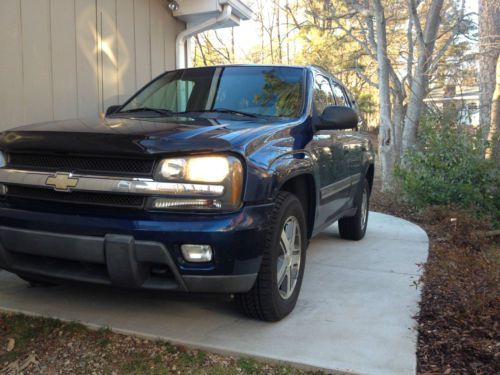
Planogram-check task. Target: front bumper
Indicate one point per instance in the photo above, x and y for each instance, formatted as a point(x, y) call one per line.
point(137, 253)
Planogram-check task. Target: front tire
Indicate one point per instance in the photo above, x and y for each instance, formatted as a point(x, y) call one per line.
point(354, 228)
point(278, 283)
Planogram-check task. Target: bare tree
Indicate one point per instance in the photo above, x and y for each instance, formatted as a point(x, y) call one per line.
point(489, 46)
point(426, 41)
point(402, 85)
point(493, 151)
point(386, 130)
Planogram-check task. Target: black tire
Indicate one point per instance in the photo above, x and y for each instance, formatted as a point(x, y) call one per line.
point(36, 283)
point(354, 228)
point(265, 301)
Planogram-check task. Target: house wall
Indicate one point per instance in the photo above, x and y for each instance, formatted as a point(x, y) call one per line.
point(62, 59)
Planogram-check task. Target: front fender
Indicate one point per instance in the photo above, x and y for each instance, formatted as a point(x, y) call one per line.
point(264, 181)
point(273, 160)
point(291, 165)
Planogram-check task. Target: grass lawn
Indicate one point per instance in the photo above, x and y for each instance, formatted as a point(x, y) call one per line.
point(45, 346)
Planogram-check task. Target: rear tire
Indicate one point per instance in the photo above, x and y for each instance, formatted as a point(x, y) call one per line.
point(278, 283)
point(354, 228)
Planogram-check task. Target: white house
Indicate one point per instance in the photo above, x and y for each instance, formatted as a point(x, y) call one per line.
point(62, 59)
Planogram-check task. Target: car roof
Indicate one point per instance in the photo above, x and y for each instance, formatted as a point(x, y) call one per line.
point(311, 67)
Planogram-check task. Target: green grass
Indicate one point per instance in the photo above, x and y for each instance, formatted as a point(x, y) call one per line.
point(103, 337)
point(49, 336)
point(248, 365)
point(141, 364)
point(189, 359)
point(23, 330)
point(74, 328)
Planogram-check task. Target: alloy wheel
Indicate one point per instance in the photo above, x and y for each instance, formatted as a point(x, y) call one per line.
point(288, 262)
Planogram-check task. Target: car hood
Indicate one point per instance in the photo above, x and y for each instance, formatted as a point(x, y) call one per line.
point(133, 136)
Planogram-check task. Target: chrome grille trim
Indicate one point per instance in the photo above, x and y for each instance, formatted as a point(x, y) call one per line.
point(90, 164)
point(112, 184)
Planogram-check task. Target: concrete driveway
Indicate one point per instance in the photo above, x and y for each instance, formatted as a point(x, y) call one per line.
point(354, 313)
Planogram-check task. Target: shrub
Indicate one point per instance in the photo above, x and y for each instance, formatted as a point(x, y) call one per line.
point(448, 168)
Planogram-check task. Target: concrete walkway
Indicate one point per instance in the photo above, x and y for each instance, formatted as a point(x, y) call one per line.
point(354, 313)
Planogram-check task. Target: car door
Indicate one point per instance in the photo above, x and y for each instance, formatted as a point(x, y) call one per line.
point(353, 143)
point(327, 148)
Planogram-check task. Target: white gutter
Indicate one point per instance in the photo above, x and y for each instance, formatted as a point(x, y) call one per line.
point(180, 42)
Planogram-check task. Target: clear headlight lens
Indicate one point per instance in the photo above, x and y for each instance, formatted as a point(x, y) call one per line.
point(219, 175)
point(208, 169)
point(195, 169)
point(171, 169)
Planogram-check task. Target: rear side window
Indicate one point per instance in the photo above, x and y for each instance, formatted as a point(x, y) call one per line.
point(340, 97)
point(323, 94)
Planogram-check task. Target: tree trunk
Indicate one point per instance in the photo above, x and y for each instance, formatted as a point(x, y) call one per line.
point(489, 45)
point(420, 82)
point(278, 28)
point(398, 120)
point(385, 136)
point(493, 150)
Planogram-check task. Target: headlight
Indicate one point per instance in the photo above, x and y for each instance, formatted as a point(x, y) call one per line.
point(3, 160)
point(205, 182)
point(195, 169)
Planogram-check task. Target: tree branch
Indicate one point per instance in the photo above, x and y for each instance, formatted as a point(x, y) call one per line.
point(412, 6)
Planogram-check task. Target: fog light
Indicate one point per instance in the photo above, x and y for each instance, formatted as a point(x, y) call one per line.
point(183, 203)
point(197, 253)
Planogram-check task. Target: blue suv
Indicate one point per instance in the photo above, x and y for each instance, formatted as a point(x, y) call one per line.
point(207, 180)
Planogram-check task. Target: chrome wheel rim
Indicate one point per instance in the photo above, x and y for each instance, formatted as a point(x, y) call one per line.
point(288, 262)
point(364, 209)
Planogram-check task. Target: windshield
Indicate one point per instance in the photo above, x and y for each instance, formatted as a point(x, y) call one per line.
point(259, 90)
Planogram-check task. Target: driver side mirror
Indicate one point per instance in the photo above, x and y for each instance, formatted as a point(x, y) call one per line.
point(112, 109)
point(337, 117)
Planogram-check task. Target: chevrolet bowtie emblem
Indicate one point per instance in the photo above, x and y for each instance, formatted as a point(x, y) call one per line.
point(62, 181)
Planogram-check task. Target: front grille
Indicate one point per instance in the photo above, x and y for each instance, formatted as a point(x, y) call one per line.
point(81, 164)
point(76, 197)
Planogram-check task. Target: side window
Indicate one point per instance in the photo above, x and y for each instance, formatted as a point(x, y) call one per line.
point(323, 94)
point(340, 95)
point(351, 100)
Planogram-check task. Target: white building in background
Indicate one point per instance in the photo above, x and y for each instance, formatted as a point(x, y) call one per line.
point(63, 59)
point(463, 100)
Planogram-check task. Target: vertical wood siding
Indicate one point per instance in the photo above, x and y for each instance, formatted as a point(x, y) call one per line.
point(63, 59)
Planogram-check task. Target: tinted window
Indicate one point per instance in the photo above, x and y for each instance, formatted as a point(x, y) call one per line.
point(323, 95)
point(166, 94)
point(268, 91)
point(340, 97)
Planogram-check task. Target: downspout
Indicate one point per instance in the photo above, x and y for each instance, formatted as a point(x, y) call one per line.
point(180, 42)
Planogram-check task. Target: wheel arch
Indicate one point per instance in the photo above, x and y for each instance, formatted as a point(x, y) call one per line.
point(303, 187)
point(370, 174)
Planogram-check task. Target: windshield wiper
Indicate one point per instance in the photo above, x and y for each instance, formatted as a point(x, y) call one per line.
point(225, 110)
point(234, 112)
point(165, 112)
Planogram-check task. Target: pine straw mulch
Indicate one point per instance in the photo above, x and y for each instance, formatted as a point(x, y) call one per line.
point(459, 321)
